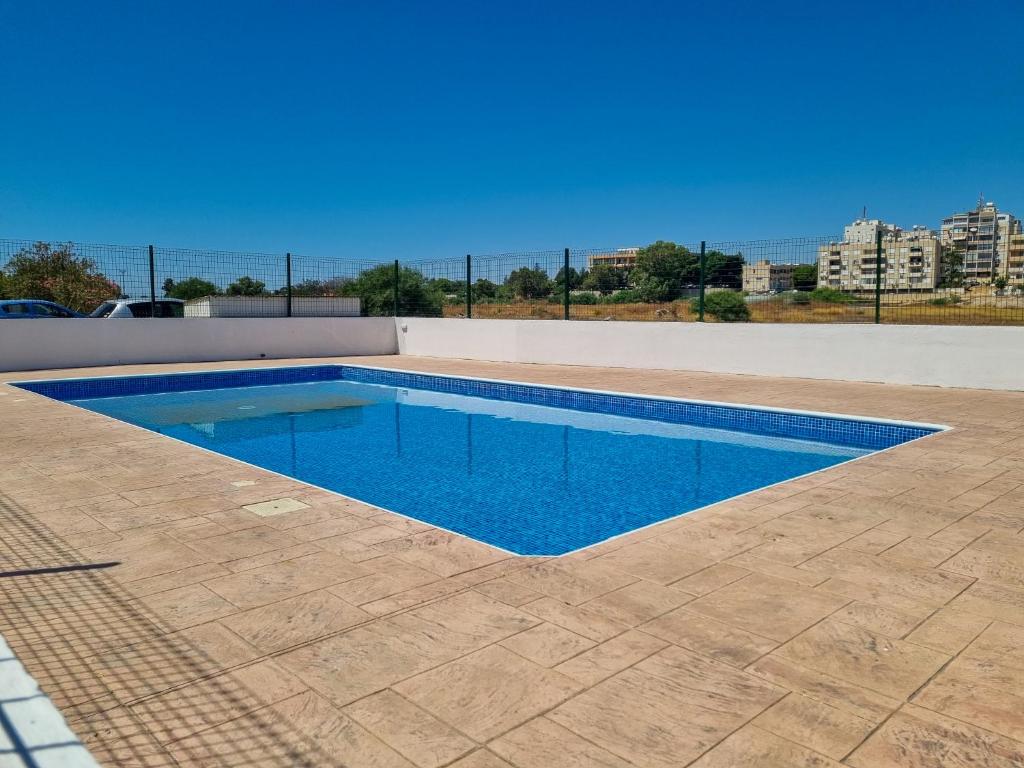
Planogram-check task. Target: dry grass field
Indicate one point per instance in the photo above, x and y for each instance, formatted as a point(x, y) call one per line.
point(910, 310)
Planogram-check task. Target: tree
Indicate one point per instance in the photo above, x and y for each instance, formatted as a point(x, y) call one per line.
point(605, 279)
point(722, 270)
point(663, 269)
point(57, 273)
point(246, 286)
point(375, 289)
point(725, 306)
point(449, 287)
point(320, 288)
point(453, 291)
point(484, 289)
point(189, 288)
point(1000, 283)
point(526, 283)
point(951, 268)
point(575, 280)
point(805, 277)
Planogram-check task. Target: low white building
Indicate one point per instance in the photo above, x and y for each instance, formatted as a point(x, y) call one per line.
point(273, 306)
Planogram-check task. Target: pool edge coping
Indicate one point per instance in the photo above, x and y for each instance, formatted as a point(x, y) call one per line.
point(936, 430)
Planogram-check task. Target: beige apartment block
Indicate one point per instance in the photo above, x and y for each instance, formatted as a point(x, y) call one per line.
point(766, 277)
point(623, 258)
point(866, 230)
point(1015, 258)
point(910, 259)
point(983, 237)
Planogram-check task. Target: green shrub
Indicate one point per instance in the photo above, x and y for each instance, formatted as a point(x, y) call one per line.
point(623, 297)
point(725, 306)
point(939, 302)
point(800, 297)
point(830, 296)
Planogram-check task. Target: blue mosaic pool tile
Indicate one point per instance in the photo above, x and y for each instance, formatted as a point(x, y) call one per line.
point(860, 433)
point(119, 386)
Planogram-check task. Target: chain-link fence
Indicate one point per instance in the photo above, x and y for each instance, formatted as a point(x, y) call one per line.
point(909, 277)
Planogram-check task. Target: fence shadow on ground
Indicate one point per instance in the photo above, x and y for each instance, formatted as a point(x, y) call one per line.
point(134, 693)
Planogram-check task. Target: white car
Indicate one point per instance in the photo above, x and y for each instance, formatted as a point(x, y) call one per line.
point(139, 308)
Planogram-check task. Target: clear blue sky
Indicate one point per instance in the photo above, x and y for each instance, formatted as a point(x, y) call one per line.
point(428, 129)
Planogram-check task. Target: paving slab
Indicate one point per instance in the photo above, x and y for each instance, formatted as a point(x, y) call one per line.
point(869, 615)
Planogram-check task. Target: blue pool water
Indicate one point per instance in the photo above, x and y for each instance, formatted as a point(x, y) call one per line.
point(525, 476)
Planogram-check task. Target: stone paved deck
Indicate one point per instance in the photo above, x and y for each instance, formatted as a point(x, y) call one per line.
point(869, 615)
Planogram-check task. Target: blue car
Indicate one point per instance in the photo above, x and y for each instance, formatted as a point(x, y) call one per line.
point(34, 308)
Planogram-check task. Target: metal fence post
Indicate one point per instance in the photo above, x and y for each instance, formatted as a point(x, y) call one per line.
point(878, 277)
point(565, 286)
point(469, 287)
point(396, 286)
point(288, 282)
point(152, 283)
point(703, 275)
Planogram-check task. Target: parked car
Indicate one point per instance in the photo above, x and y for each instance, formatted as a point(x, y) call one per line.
point(30, 308)
point(139, 308)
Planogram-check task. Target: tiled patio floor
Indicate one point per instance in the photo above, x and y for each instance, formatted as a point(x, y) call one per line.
point(868, 615)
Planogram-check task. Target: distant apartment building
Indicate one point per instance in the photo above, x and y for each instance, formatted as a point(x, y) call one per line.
point(910, 259)
point(983, 237)
point(766, 277)
point(866, 230)
point(1015, 258)
point(623, 258)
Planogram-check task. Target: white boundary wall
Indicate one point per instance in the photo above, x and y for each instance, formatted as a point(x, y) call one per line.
point(946, 356)
point(27, 345)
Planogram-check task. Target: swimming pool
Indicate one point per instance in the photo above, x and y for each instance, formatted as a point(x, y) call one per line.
point(531, 469)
